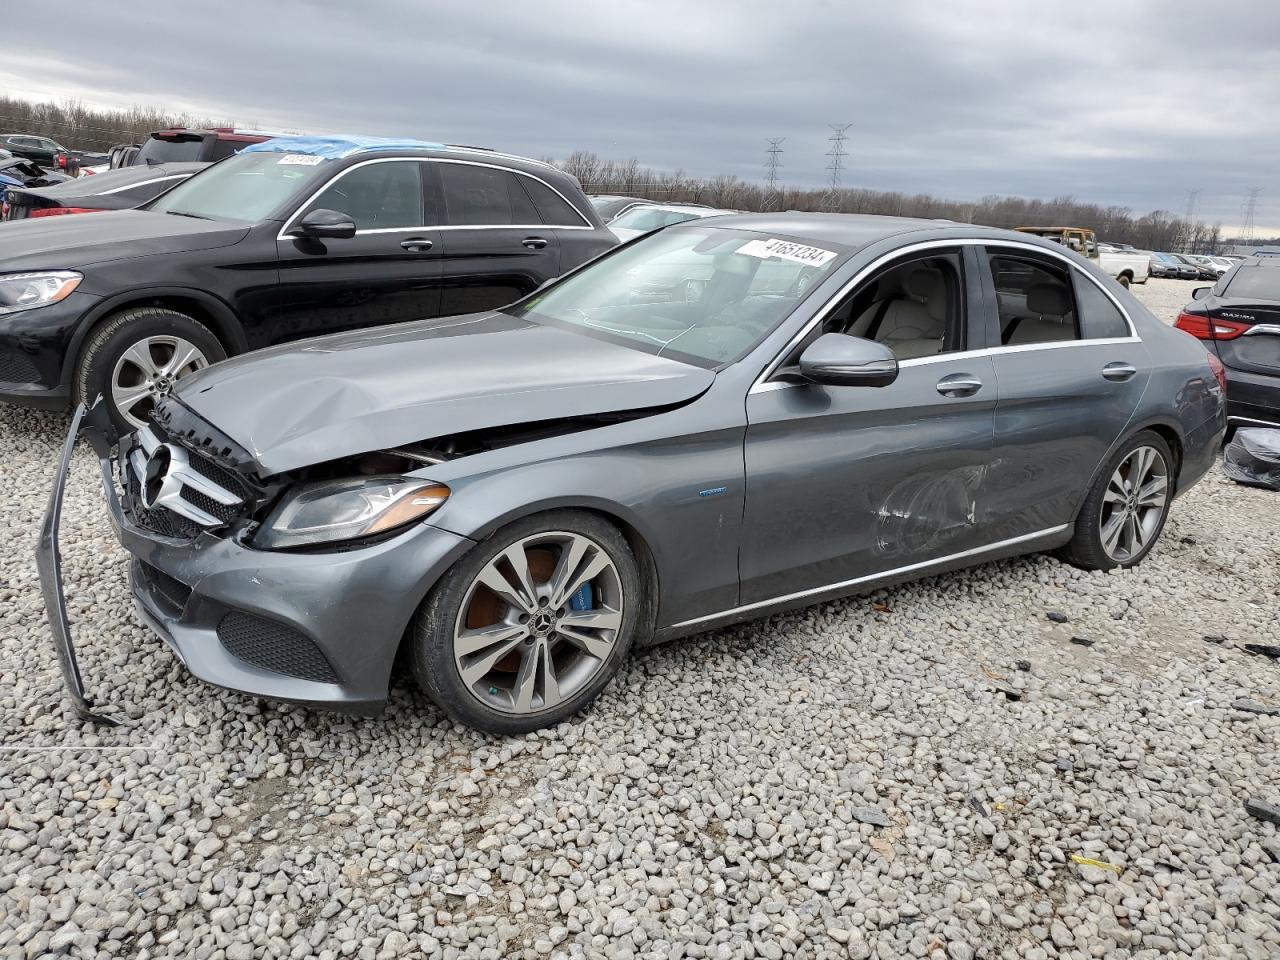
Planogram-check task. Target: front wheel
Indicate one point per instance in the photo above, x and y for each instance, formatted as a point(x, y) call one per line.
point(135, 358)
point(1126, 509)
point(531, 625)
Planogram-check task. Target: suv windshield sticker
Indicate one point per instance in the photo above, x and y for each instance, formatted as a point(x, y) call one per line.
point(786, 250)
point(300, 159)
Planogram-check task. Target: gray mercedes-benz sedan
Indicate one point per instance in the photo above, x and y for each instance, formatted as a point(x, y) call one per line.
point(715, 421)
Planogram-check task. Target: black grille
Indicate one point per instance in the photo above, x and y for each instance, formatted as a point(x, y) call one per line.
point(224, 513)
point(160, 520)
point(17, 368)
point(273, 646)
point(171, 588)
point(220, 475)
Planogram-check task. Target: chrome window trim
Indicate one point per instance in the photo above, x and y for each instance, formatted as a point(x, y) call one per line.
point(872, 577)
point(285, 234)
point(143, 183)
point(763, 385)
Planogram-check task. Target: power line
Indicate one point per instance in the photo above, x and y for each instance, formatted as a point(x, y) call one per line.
point(835, 169)
point(1186, 232)
point(1248, 210)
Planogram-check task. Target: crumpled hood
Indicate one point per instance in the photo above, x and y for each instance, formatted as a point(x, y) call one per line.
point(317, 400)
point(87, 238)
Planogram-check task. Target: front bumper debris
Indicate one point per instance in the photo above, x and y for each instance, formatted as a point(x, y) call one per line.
point(96, 425)
point(319, 628)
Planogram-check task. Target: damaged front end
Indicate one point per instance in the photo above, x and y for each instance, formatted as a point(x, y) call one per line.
point(296, 585)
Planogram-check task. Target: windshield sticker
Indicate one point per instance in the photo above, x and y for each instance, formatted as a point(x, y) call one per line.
point(300, 160)
point(786, 250)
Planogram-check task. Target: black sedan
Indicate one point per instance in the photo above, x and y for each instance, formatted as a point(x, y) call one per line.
point(1239, 320)
point(113, 190)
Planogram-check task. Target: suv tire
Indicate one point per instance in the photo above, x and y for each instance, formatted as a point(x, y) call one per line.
point(141, 351)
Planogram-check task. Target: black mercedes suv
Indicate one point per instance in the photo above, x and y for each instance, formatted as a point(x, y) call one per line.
point(290, 238)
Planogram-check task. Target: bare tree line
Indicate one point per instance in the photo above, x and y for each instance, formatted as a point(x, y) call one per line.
point(1157, 230)
point(85, 128)
point(74, 125)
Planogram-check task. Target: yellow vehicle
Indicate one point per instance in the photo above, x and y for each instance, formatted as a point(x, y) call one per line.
point(1079, 239)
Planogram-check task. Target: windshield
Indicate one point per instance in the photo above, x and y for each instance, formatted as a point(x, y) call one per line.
point(246, 187)
point(651, 218)
point(1256, 283)
point(697, 294)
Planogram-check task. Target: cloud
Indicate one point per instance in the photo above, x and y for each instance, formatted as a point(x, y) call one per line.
point(1128, 104)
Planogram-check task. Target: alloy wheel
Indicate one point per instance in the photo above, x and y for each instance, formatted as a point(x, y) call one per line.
point(148, 370)
point(538, 622)
point(1134, 504)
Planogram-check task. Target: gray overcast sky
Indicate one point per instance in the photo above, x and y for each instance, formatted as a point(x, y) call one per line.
point(1131, 103)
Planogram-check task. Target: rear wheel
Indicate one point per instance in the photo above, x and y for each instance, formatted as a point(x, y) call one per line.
point(1125, 512)
point(530, 626)
point(1125, 279)
point(135, 358)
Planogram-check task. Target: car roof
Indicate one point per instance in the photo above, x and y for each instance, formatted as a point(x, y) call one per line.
point(341, 146)
point(860, 229)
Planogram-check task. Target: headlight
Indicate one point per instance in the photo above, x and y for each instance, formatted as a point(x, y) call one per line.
point(22, 291)
point(347, 510)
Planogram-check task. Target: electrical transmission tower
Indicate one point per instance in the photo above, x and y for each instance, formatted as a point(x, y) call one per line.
point(835, 169)
point(1186, 231)
point(1249, 209)
point(772, 164)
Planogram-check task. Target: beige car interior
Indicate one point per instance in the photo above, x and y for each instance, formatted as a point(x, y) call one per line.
point(905, 308)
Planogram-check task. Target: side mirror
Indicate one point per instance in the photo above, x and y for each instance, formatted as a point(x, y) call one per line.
point(839, 360)
point(1199, 293)
point(326, 225)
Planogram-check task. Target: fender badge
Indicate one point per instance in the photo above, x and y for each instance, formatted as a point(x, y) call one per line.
point(712, 491)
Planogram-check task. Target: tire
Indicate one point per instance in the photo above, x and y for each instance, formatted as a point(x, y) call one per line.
point(1125, 280)
point(1109, 499)
point(115, 355)
point(463, 624)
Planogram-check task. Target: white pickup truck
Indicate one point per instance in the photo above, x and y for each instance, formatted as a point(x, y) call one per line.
point(1127, 266)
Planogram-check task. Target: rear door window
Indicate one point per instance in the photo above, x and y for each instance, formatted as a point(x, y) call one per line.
point(476, 196)
point(1035, 300)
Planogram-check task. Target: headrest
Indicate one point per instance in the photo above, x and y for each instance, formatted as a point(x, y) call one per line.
point(1050, 298)
point(923, 283)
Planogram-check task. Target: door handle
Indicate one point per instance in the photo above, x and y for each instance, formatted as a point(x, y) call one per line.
point(416, 243)
point(1119, 371)
point(534, 243)
point(959, 385)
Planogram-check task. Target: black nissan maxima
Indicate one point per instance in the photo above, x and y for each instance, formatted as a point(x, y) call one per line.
point(517, 498)
point(293, 237)
point(1238, 318)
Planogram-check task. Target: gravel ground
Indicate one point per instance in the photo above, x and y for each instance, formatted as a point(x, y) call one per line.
point(914, 774)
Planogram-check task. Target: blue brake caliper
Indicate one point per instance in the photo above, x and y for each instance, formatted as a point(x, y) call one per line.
point(581, 600)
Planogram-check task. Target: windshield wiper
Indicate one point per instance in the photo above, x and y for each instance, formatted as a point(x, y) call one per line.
point(188, 213)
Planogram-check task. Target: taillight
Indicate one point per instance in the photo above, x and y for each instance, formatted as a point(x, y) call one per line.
point(1204, 328)
point(61, 211)
point(62, 160)
point(1218, 369)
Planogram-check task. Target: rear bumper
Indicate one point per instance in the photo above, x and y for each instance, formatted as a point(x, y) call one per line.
point(1253, 398)
point(316, 628)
